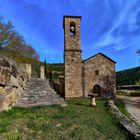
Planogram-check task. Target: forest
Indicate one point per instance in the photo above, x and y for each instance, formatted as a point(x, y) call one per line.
point(128, 77)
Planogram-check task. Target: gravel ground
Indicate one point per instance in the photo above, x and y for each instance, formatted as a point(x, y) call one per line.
point(133, 106)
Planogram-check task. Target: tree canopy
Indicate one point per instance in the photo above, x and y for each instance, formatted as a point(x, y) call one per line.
point(10, 39)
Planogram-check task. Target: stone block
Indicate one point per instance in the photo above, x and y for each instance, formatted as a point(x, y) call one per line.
point(20, 81)
point(29, 70)
point(4, 76)
point(13, 78)
point(2, 90)
point(9, 100)
point(14, 81)
point(14, 70)
point(42, 72)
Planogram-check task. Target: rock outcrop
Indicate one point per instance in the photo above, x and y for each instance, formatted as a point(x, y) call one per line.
point(13, 78)
point(17, 87)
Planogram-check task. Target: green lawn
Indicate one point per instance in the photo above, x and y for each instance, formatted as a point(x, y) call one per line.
point(121, 106)
point(77, 121)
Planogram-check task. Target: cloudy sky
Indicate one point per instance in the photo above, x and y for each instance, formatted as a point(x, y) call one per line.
point(108, 26)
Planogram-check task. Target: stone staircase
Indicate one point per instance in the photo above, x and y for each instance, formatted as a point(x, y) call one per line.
point(38, 92)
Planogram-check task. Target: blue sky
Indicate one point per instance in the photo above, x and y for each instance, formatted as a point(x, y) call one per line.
point(108, 26)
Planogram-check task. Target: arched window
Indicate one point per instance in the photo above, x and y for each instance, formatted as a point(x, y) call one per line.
point(72, 29)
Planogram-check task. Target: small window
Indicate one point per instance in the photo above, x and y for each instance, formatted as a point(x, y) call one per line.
point(97, 72)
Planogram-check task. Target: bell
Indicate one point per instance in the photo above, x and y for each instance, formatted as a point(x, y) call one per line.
point(72, 28)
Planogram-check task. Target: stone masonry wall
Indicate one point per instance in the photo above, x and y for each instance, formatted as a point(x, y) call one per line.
point(73, 60)
point(72, 43)
point(106, 78)
point(13, 78)
point(73, 75)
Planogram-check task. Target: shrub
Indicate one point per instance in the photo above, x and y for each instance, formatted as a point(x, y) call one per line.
point(135, 93)
point(123, 92)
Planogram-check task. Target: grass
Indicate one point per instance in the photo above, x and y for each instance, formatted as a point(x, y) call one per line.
point(121, 106)
point(77, 121)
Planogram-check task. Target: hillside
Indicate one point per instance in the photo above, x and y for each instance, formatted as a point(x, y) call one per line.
point(128, 77)
point(58, 67)
point(17, 56)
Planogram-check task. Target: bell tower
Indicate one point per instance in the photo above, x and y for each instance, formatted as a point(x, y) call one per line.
point(72, 57)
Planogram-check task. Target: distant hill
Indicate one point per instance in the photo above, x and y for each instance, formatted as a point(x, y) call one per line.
point(59, 67)
point(128, 77)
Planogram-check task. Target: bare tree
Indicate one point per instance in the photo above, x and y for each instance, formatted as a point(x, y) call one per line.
point(13, 41)
point(6, 34)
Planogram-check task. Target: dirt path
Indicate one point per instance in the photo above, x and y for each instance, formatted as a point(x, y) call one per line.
point(133, 106)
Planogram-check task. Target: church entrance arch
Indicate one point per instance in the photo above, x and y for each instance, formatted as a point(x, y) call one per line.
point(96, 90)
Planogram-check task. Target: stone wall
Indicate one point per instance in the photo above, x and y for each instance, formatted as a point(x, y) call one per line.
point(72, 56)
point(13, 78)
point(72, 43)
point(73, 74)
point(105, 78)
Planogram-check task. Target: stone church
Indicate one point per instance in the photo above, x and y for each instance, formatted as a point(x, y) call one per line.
point(95, 75)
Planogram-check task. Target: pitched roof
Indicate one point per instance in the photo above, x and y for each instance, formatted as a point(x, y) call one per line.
point(100, 54)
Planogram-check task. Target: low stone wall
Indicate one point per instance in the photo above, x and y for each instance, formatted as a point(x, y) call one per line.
point(127, 124)
point(13, 78)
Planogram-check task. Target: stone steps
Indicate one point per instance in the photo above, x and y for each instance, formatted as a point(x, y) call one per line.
point(38, 92)
point(39, 103)
point(38, 97)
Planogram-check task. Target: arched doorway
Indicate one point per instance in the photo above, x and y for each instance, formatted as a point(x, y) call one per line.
point(96, 90)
